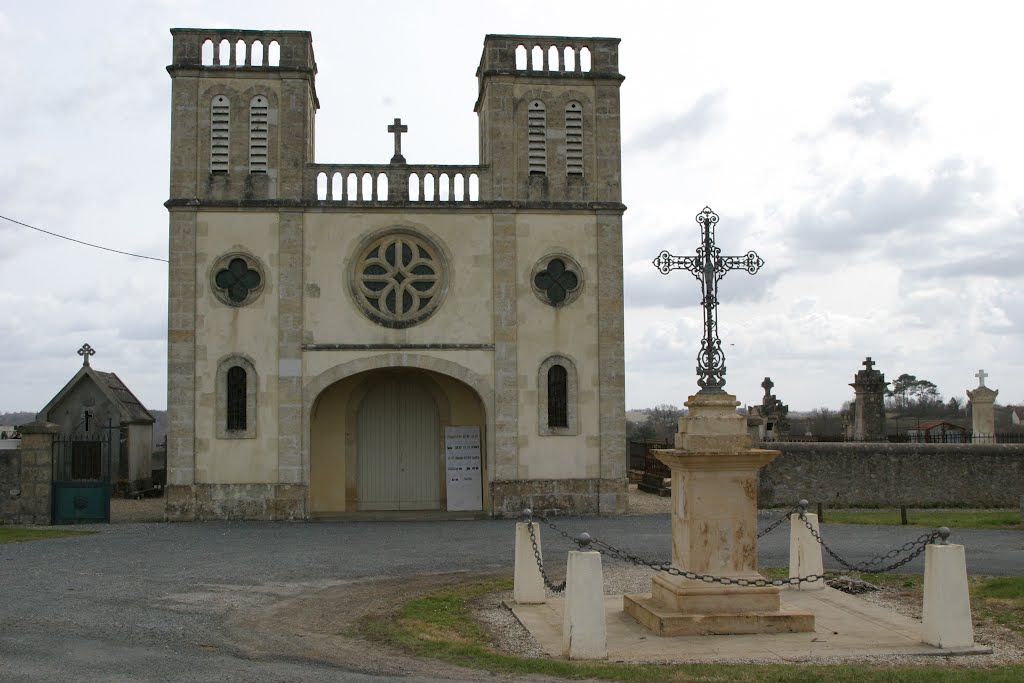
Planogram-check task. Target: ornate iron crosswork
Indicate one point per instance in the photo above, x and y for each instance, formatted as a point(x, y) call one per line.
point(85, 352)
point(709, 266)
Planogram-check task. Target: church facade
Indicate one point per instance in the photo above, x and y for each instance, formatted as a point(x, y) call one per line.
point(348, 339)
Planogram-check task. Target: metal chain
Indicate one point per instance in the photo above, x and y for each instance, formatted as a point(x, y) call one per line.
point(554, 587)
point(774, 525)
point(915, 548)
point(608, 550)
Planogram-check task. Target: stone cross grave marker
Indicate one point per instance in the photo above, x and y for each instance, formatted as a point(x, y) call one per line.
point(981, 375)
point(709, 267)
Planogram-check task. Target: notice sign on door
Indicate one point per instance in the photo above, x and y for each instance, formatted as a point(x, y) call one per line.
point(462, 459)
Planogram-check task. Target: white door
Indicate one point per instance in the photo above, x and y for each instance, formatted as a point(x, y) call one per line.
point(399, 448)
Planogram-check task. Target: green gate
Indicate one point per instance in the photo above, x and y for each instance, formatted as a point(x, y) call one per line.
point(81, 479)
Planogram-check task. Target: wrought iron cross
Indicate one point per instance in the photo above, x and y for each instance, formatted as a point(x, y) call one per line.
point(981, 375)
point(709, 266)
point(85, 352)
point(397, 128)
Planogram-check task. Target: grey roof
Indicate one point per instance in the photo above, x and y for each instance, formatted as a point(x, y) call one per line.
point(130, 408)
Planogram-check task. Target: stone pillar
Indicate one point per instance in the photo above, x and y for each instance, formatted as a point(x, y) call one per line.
point(527, 583)
point(36, 451)
point(584, 631)
point(983, 418)
point(714, 531)
point(946, 613)
point(869, 407)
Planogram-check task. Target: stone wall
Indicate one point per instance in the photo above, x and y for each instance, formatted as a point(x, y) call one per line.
point(10, 482)
point(871, 474)
point(567, 496)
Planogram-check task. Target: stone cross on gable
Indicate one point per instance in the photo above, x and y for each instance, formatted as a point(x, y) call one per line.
point(709, 266)
point(85, 352)
point(767, 385)
point(397, 128)
point(981, 375)
point(868, 364)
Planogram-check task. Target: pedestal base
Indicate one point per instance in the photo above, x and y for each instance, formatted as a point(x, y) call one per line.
point(665, 621)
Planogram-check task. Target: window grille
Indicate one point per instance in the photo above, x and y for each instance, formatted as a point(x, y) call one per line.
point(558, 397)
point(220, 124)
point(574, 138)
point(258, 135)
point(236, 390)
point(537, 145)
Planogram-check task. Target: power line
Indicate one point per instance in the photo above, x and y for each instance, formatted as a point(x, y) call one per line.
point(88, 244)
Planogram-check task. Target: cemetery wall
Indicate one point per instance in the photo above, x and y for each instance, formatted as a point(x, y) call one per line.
point(887, 474)
point(10, 480)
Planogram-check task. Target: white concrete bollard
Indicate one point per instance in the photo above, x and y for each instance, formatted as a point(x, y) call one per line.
point(947, 602)
point(527, 582)
point(805, 551)
point(584, 634)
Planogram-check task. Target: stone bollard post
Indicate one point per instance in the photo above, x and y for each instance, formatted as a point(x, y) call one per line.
point(804, 550)
point(584, 634)
point(946, 615)
point(527, 582)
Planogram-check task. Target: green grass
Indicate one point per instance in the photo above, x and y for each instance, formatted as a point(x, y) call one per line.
point(954, 519)
point(440, 625)
point(1000, 599)
point(18, 534)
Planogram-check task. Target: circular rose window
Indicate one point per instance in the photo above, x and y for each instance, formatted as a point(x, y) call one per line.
point(399, 279)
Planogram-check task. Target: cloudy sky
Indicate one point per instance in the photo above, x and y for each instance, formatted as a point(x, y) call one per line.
point(870, 153)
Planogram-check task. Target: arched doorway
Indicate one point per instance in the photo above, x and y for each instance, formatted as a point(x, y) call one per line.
point(399, 448)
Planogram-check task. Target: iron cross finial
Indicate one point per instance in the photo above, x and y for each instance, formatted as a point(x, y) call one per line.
point(85, 352)
point(981, 375)
point(397, 128)
point(709, 267)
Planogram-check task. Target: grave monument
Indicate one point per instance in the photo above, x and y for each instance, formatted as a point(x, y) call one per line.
point(714, 489)
point(869, 405)
point(983, 419)
point(770, 416)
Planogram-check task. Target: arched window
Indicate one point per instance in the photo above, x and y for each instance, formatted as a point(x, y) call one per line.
point(258, 134)
point(236, 387)
point(574, 138)
point(220, 125)
point(236, 413)
point(556, 385)
point(537, 144)
point(558, 397)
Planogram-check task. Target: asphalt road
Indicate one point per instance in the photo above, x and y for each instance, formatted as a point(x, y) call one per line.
point(139, 602)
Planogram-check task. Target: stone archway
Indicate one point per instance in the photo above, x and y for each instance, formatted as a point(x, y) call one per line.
point(376, 434)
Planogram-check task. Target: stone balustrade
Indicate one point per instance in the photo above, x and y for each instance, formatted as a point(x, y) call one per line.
point(394, 183)
point(233, 48)
point(554, 54)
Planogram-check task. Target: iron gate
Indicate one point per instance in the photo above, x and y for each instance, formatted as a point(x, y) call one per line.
point(81, 478)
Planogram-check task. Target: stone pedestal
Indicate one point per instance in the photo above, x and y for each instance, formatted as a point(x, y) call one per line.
point(869, 403)
point(983, 417)
point(714, 531)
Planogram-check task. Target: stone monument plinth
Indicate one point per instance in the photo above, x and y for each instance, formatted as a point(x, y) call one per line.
point(983, 417)
point(714, 531)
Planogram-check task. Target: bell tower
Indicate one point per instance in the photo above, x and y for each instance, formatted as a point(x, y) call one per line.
point(548, 109)
point(242, 115)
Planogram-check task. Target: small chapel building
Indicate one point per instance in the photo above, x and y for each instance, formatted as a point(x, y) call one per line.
point(361, 338)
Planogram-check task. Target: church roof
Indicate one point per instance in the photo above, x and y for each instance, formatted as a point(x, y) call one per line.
point(130, 407)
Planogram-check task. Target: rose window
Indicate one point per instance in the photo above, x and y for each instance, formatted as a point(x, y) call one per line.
point(237, 279)
point(399, 279)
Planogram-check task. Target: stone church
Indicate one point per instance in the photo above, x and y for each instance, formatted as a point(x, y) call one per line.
point(349, 339)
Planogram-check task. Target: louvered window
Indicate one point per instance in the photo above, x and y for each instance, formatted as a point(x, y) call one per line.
point(558, 397)
point(220, 124)
point(236, 403)
point(537, 144)
point(258, 135)
point(574, 138)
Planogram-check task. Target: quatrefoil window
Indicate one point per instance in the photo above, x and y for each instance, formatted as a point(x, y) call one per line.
point(237, 279)
point(399, 279)
point(557, 280)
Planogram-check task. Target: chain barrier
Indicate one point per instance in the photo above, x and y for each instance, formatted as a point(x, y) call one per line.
point(553, 587)
point(775, 525)
point(915, 548)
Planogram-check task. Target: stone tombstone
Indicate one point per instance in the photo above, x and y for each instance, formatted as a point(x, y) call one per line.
point(983, 419)
point(869, 407)
point(771, 413)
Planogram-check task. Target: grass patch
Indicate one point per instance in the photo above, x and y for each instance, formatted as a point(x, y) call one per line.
point(954, 519)
point(18, 535)
point(1000, 599)
point(440, 625)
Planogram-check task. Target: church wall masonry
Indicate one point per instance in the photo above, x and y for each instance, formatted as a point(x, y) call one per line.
point(318, 282)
